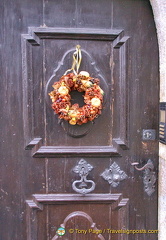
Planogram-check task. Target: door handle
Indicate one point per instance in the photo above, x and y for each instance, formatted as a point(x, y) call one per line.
point(149, 178)
point(148, 165)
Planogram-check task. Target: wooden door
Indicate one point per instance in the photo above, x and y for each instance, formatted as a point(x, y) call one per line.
point(43, 159)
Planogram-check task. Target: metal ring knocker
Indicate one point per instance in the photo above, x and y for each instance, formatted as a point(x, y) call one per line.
point(83, 168)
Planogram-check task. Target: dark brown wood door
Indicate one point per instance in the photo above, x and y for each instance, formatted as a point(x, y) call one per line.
point(97, 180)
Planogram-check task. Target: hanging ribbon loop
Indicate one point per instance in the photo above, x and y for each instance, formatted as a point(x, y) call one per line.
point(77, 57)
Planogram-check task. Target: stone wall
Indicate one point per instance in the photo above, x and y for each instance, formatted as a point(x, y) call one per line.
point(159, 11)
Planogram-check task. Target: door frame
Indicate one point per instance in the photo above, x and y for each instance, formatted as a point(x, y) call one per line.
point(159, 9)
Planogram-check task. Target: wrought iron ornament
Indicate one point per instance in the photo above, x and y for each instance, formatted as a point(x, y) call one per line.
point(114, 175)
point(149, 177)
point(83, 168)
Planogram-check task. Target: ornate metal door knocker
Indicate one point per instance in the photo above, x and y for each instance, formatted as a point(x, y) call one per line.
point(81, 186)
point(81, 82)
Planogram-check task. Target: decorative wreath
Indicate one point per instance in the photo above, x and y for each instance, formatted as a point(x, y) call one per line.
point(81, 82)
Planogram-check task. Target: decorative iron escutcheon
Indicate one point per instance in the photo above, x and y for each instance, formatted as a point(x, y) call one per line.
point(149, 178)
point(114, 175)
point(81, 186)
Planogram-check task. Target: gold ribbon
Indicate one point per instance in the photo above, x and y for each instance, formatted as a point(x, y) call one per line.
point(77, 57)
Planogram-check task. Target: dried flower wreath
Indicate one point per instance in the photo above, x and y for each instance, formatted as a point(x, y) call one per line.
point(81, 82)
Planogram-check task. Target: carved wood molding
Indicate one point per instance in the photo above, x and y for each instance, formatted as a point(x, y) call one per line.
point(34, 143)
point(34, 205)
point(76, 198)
point(80, 214)
point(36, 33)
point(121, 63)
point(39, 151)
point(85, 151)
point(38, 200)
point(120, 53)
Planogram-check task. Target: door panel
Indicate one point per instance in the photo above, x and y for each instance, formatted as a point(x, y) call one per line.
point(40, 153)
point(115, 51)
point(113, 207)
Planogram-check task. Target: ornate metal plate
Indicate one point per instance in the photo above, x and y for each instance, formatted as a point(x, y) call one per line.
point(114, 175)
